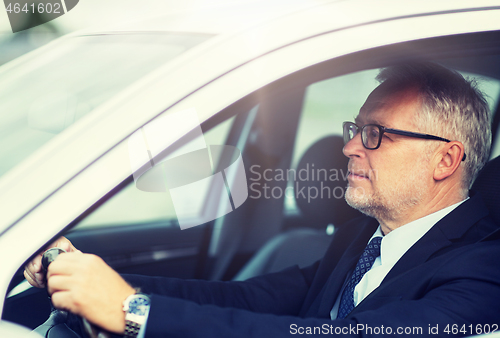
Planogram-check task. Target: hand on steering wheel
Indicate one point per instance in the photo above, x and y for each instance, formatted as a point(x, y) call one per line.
point(33, 271)
point(85, 285)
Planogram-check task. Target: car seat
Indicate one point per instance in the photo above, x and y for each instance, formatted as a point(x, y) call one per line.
point(322, 170)
point(487, 184)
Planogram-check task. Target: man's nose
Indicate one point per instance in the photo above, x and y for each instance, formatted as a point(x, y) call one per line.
point(354, 148)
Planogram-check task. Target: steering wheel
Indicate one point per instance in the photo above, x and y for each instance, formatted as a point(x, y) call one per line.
point(56, 326)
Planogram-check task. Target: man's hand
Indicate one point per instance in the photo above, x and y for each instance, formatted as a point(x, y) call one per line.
point(85, 285)
point(33, 270)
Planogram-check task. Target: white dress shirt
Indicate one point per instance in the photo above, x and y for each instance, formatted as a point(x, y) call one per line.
point(393, 246)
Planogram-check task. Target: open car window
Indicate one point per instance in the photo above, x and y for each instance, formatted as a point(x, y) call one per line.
point(329, 103)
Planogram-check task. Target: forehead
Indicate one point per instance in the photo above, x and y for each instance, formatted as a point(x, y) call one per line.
point(392, 109)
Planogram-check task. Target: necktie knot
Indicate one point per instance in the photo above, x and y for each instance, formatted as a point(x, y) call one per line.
point(373, 248)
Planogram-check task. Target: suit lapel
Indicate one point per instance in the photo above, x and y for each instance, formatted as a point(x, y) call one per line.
point(331, 290)
point(452, 227)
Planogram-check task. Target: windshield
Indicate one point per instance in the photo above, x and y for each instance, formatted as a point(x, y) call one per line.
point(43, 96)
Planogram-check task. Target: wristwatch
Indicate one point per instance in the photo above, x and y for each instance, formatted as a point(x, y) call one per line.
point(136, 309)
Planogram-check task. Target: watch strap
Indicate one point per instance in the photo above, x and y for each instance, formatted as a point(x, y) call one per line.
point(131, 329)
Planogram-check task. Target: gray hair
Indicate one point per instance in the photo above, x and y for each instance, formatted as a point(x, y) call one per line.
point(452, 107)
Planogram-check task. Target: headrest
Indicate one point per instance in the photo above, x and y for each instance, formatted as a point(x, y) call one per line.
point(321, 181)
point(487, 184)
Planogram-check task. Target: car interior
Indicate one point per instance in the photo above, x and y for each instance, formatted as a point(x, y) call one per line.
point(289, 127)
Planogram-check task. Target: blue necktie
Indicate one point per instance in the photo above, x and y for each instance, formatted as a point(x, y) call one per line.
point(365, 262)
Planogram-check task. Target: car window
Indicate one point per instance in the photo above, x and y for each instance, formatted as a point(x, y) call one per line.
point(135, 206)
point(328, 103)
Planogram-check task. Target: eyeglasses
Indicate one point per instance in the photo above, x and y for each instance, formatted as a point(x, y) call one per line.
point(371, 135)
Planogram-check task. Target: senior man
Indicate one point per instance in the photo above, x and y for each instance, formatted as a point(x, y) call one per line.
point(424, 261)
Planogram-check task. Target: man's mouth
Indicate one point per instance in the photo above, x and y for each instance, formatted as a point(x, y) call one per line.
point(358, 175)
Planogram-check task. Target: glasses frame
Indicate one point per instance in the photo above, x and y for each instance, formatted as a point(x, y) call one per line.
point(382, 131)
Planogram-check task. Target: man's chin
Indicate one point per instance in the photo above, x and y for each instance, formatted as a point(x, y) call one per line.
point(357, 195)
point(359, 200)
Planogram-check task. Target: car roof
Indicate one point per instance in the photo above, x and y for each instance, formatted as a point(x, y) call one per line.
point(213, 19)
point(235, 16)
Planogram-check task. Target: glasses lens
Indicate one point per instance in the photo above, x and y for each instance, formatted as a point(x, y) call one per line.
point(350, 130)
point(371, 136)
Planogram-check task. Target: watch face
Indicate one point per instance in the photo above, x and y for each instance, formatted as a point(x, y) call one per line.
point(139, 306)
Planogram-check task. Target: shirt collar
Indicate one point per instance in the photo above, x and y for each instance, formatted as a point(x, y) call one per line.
point(398, 241)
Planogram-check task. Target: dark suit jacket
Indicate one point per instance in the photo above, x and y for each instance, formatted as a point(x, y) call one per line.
point(448, 279)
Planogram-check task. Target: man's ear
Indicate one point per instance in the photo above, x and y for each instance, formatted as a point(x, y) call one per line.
point(449, 157)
